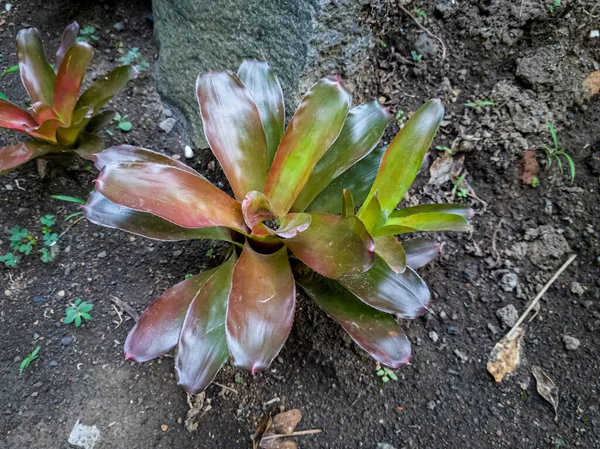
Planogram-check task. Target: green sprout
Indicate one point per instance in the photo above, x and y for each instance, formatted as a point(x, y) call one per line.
point(10, 260)
point(443, 148)
point(556, 152)
point(383, 44)
point(416, 56)
point(121, 123)
point(534, 182)
point(14, 68)
point(21, 240)
point(386, 374)
point(401, 117)
point(134, 57)
point(420, 12)
point(460, 191)
point(480, 103)
point(78, 310)
point(555, 4)
point(27, 360)
point(86, 34)
point(189, 275)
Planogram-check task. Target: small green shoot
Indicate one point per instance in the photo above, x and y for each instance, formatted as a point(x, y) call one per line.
point(383, 44)
point(558, 443)
point(86, 34)
point(556, 152)
point(134, 57)
point(480, 103)
point(416, 56)
point(460, 191)
point(189, 275)
point(14, 68)
point(555, 4)
point(210, 253)
point(21, 240)
point(443, 148)
point(122, 124)
point(401, 117)
point(386, 374)
point(3, 97)
point(534, 182)
point(78, 310)
point(50, 238)
point(48, 222)
point(10, 260)
point(69, 199)
point(27, 360)
point(419, 12)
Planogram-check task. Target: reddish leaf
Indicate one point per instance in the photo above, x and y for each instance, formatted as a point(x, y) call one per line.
point(404, 294)
point(13, 117)
point(170, 193)
point(13, 156)
point(264, 87)
point(234, 130)
point(286, 227)
point(391, 251)
point(202, 348)
point(313, 128)
point(106, 87)
point(69, 37)
point(256, 209)
point(334, 246)
point(46, 131)
point(420, 252)
point(103, 212)
point(36, 73)
point(374, 331)
point(362, 130)
point(261, 305)
point(69, 78)
point(42, 112)
point(157, 330)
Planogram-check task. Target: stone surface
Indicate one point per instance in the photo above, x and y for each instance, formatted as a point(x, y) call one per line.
point(508, 315)
point(576, 288)
point(385, 446)
point(509, 282)
point(167, 125)
point(66, 341)
point(302, 40)
point(426, 46)
point(84, 436)
point(571, 343)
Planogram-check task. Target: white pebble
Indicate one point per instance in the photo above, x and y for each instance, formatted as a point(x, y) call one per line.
point(188, 152)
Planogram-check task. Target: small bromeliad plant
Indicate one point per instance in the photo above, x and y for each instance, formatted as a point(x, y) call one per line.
point(293, 221)
point(58, 119)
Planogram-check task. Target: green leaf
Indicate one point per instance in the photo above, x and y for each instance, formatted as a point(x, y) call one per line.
point(404, 156)
point(446, 208)
point(392, 375)
point(50, 238)
point(69, 319)
point(420, 251)
point(392, 252)
point(125, 126)
point(106, 87)
point(553, 134)
point(85, 307)
point(385, 379)
point(347, 204)
point(87, 316)
point(311, 131)
point(34, 354)
point(427, 222)
point(380, 372)
point(78, 301)
point(14, 68)
point(47, 256)
point(24, 364)
point(69, 199)
point(77, 320)
point(571, 166)
point(48, 220)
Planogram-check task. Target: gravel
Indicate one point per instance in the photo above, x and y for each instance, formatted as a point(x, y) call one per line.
point(571, 343)
point(167, 125)
point(508, 315)
point(66, 341)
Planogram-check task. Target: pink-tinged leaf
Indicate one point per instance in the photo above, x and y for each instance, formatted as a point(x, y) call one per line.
point(264, 87)
point(69, 78)
point(69, 37)
point(13, 117)
point(312, 130)
point(391, 251)
point(13, 156)
point(99, 121)
point(176, 195)
point(36, 73)
point(260, 310)
point(286, 227)
point(202, 348)
point(103, 212)
point(106, 87)
point(362, 131)
point(89, 145)
point(419, 252)
point(256, 209)
point(404, 156)
point(157, 330)
point(234, 131)
point(42, 112)
point(334, 246)
point(374, 331)
point(428, 222)
point(404, 294)
point(68, 135)
point(129, 153)
point(446, 208)
point(347, 203)
point(46, 131)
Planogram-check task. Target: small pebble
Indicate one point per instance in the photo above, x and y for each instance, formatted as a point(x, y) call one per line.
point(571, 343)
point(168, 112)
point(102, 255)
point(461, 355)
point(66, 341)
point(8, 187)
point(452, 330)
point(39, 299)
point(167, 125)
point(434, 336)
point(576, 288)
point(8, 7)
point(508, 315)
point(120, 26)
point(431, 405)
point(61, 294)
point(188, 152)
point(53, 363)
point(593, 33)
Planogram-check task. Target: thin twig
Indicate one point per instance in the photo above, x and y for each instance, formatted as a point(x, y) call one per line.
point(494, 249)
point(407, 12)
point(67, 230)
point(295, 434)
point(360, 393)
point(126, 308)
point(225, 386)
point(533, 303)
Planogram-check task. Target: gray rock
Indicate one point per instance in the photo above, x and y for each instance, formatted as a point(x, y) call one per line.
point(426, 46)
point(53, 363)
point(302, 40)
point(167, 125)
point(66, 341)
point(461, 355)
point(84, 436)
point(120, 26)
point(453, 330)
point(385, 446)
point(431, 405)
point(571, 343)
point(509, 282)
point(434, 336)
point(508, 315)
point(39, 299)
point(576, 288)
point(102, 254)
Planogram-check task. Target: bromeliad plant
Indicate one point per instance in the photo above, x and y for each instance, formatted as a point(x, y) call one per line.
point(292, 222)
point(58, 119)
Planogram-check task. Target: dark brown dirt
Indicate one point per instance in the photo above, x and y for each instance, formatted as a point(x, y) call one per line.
point(445, 398)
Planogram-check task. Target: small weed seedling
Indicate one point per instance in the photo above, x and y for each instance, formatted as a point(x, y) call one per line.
point(14, 68)
point(554, 4)
point(416, 56)
point(27, 360)
point(444, 148)
point(50, 238)
point(479, 103)
point(386, 374)
point(78, 310)
point(459, 191)
point(401, 117)
point(419, 12)
point(121, 124)
point(134, 57)
point(534, 182)
point(86, 34)
point(69, 199)
point(557, 152)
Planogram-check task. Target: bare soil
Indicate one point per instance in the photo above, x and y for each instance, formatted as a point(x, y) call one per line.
point(530, 58)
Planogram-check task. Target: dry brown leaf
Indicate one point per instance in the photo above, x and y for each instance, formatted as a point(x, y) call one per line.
point(592, 82)
point(506, 355)
point(263, 426)
point(445, 168)
point(546, 388)
point(278, 444)
point(530, 166)
point(198, 406)
point(285, 423)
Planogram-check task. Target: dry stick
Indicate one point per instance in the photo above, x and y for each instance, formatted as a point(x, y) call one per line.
point(407, 12)
point(126, 308)
point(294, 434)
point(511, 332)
point(67, 230)
point(224, 386)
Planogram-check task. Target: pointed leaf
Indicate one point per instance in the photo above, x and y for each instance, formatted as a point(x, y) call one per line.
point(358, 179)
point(260, 310)
point(256, 209)
point(264, 87)
point(13, 117)
point(347, 204)
point(362, 130)
point(313, 128)
point(423, 223)
point(391, 251)
point(99, 121)
point(334, 246)
point(106, 87)
point(13, 156)
point(374, 331)
point(46, 131)
point(234, 131)
point(447, 208)
point(69, 37)
point(157, 330)
point(170, 193)
point(404, 294)
point(89, 145)
point(202, 348)
point(69, 78)
point(103, 212)
point(419, 252)
point(36, 73)
point(292, 224)
point(130, 153)
point(374, 217)
point(404, 156)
